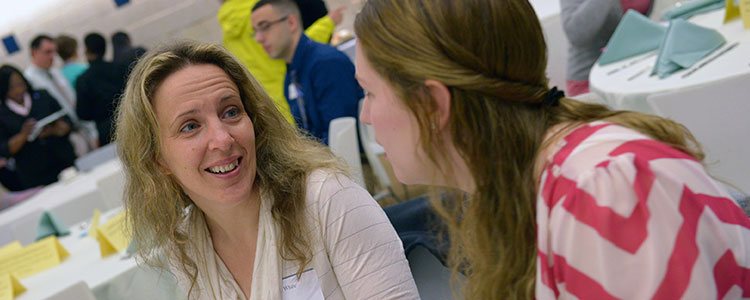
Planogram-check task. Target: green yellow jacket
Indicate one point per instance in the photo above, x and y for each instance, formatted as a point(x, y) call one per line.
point(234, 18)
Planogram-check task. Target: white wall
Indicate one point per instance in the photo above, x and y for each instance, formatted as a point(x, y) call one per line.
point(148, 22)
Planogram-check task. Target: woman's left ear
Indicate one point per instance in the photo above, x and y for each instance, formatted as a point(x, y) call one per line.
point(442, 97)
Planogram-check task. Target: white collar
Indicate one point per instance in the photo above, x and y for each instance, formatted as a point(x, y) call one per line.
point(22, 110)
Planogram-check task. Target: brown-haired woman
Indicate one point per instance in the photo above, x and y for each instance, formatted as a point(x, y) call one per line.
point(563, 198)
point(242, 204)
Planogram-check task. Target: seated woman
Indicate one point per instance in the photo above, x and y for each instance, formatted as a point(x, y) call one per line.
point(241, 203)
point(558, 198)
point(37, 162)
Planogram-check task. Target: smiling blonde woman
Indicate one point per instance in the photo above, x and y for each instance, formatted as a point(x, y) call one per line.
point(242, 205)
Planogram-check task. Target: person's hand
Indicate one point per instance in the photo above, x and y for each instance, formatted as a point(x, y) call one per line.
point(61, 128)
point(337, 14)
point(28, 127)
point(47, 131)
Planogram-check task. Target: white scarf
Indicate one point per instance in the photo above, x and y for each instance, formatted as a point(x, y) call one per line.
point(214, 280)
point(21, 109)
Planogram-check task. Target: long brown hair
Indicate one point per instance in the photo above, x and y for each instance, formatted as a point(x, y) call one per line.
point(491, 55)
point(157, 206)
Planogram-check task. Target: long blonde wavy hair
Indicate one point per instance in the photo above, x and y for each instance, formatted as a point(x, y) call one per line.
point(157, 205)
point(491, 55)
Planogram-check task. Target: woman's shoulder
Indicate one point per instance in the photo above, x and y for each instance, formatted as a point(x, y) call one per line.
point(593, 144)
point(327, 181)
point(325, 186)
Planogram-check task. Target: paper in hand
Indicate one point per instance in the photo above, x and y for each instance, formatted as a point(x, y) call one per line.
point(44, 122)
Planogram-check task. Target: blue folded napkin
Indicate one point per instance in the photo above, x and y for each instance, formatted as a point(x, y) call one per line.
point(49, 224)
point(690, 9)
point(635, 35)
point(684, 45)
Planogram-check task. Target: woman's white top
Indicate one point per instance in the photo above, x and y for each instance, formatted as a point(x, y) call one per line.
point(356, 252)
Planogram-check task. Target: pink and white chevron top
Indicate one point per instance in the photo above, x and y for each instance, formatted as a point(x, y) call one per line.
point(622, 216)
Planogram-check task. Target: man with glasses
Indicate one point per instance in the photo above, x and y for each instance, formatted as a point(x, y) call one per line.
point(234, 18)
point(319, 82)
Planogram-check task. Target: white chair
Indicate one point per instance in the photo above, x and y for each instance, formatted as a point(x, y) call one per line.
point(77, 291)
point(431, 277)
point(718, 115)
point(6, 236)
point(372, 149)
point(96, 157)
point(80, 208)
point(348, 48)
point(24, 228)
point(111, 188)
point(342, 139)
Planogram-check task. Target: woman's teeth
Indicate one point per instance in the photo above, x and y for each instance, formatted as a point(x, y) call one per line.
point(224, 169)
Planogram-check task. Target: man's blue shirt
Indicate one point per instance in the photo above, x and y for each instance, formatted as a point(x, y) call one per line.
point(320, 86)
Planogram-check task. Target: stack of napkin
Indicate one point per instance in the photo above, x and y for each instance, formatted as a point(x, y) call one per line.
point(681, 45)
point(49, 225)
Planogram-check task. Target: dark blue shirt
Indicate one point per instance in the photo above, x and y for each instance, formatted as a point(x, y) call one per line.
point(320, 86)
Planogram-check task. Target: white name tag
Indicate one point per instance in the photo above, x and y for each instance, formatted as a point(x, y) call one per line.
point(293, 92)
point(307, 287)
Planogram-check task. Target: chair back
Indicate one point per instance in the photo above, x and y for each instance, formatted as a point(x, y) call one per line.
point(80, 208)
point(342, 139)
point(78, 291)
point(718, 115)
point(24, 228)
point(112, 188)
point(96, 157)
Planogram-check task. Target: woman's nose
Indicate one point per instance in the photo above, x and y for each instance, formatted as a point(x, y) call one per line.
point(364, 115)
point(221, 139)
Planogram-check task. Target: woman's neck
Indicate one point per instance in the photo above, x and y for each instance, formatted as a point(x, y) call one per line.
point(235, 225)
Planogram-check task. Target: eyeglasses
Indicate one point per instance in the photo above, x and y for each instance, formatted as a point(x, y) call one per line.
point(265, 26)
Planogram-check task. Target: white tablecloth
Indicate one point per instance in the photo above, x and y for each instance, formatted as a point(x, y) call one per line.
point(114, 277)
point(628, 88)
point(58, 193)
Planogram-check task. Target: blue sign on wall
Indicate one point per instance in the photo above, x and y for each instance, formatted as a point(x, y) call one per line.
point(10, 44)
point(121, 2)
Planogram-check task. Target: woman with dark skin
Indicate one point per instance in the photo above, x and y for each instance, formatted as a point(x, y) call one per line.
point(39, 161)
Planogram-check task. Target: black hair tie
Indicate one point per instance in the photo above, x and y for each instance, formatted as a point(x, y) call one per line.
point(553, 97)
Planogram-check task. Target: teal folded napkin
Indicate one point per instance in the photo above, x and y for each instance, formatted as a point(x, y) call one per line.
point(690, 9)
point(49, 224)
point(635, 35)
point(131, 248)
point(684, 45)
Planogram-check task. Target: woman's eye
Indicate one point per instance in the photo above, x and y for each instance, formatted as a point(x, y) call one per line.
point(188, 127)
point(232, 113)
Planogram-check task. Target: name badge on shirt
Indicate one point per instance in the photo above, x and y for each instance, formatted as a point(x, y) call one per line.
point(307, 287)
point(293, 93)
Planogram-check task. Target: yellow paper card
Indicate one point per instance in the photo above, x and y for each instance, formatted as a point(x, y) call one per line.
point(745, 12)
point(10, 287)
point(732, 11)
point(10, 248)
point(94, 223)
point(113, 235)
point(42, 255)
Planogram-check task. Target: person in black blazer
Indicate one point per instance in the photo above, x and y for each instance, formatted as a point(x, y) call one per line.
point(99, 88)
point(37, 162)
